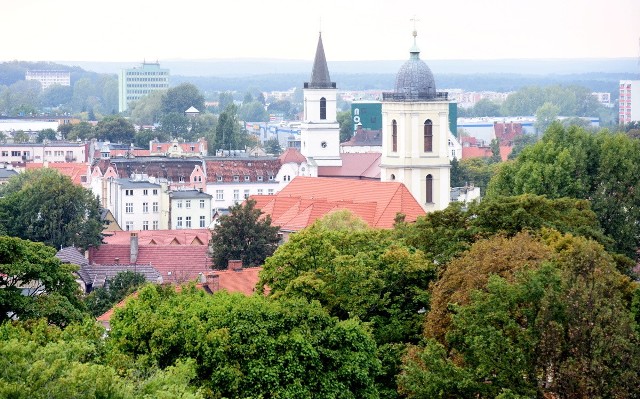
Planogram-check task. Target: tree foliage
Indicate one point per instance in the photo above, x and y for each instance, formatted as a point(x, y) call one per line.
point(571, 162)
point(116, 129)
point(43, 205)
point(559, 329)
point(180, 98)
point(248, 346)
point(34, 284)
point(243, 234)
point(115, 290)
point(346, 125)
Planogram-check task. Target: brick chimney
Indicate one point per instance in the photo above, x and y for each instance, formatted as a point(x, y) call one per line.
point(134, 248)
point(234, 265)
point(213, 282)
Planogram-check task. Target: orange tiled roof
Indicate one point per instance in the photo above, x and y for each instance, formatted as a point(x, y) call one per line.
point(72, 169)
point(161, 237)
point(355, 165)
point(306, 199)
point(292, 155)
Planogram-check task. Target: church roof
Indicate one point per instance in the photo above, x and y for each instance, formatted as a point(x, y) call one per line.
point(320, 78)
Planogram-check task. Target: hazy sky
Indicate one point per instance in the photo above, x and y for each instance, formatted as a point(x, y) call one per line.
point(133, 30)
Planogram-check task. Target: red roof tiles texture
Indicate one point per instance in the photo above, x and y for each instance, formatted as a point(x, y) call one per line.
point(354, 165)
point(306, 199)
point(292, 155)
point(76, 171)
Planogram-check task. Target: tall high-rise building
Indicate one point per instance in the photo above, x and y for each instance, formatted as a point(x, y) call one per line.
point(629, 102)
point(49, 78)
point(135, 83)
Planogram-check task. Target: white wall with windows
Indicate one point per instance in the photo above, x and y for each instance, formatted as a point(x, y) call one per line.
point(189, 209)
point(225, 195)
point(136, 205)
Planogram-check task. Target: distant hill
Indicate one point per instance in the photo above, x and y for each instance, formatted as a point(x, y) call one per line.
point(249, 67)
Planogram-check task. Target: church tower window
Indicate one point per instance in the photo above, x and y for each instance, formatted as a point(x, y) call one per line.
point(428, 136)
point(429, 187)
point(394, 136)
point(323, 108)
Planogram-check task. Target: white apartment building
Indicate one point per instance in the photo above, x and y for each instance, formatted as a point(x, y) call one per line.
point(49, 78)
point(137, 204)
point(189, 209)
point(135, 83)
point(629, 101)
point(45, 152)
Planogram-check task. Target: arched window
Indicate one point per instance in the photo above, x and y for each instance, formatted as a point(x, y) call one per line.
point(323, 108)
point(429, 187)
point(428, 136)
point(394, 136)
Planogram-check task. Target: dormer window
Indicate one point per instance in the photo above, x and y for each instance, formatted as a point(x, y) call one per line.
point(259, 178)
point(181, 179)
point(271, 178)
point(219, 178)
point(236, 178)
point(246, 178)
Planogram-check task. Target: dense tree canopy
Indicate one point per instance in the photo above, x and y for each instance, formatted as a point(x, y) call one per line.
point(571, 162)
point(115, 290)
point(180, 98)
point(43, 205)
point(115, 129)
point(34, 284)
point(243, 234)
point(248, 347)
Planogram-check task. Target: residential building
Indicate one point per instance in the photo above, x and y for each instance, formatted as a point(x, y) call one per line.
point(189, 209)
point(135, 83)
point(306, 199)
point(629, 101)
point(415, 130)
point(49, 78)
point(179, 149)
point(136, 203)
point(57, 151)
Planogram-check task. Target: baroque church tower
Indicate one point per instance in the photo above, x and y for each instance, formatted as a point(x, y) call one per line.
point(415, 132)
point(319, 131)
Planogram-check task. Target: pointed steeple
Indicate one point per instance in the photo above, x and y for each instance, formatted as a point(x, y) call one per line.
point(320, 74)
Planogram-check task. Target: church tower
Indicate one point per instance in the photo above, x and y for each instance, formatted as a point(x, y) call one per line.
point(319, 131)
point(415, 133)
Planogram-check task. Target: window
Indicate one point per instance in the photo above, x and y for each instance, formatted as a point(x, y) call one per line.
point(219, 178)
point(271, 178)
point(128, 192)
point(128, 207)
point(187, 204)
point(202, 221)
point(323, 108)
point(179, 204)
point(260, 178)
point(246, 178)
point(145, 225)
point(259, 191)
point(15, 153)
point(219, 195)
point(187, 222)
point(428, 136)
point(270, 191)
point(236, 195)
point(429, 189)
point(128, 225)
point(181, 179)
point(6, 153)
point(155, 225)
point(246, 194)
point(236, 178)
point(201, 204)
point(155, 191)
point(155, 207)
point(394, 136)
point(145, 192)
point(145, 207)
point(179, 222)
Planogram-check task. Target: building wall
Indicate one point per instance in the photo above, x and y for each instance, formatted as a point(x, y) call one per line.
point(225, 195)
point(368, 113)
point(410, 164)
point(194, 208)
point(320, 138)
point(76, 153)
point(49, 78)
point(629, 101)
point(135, 83)
point(134, 217)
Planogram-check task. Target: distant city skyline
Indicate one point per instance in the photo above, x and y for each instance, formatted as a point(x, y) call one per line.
point(132, 31)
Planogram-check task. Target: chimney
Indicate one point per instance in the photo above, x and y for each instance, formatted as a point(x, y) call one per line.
point(234, 265)
point(213, 282)
point(134, 248)
point(116, 261)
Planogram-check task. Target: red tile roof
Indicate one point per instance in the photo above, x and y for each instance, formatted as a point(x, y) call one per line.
point(306, 199)
point(354, 165)
point(485, 152)
point(227, 168)
point(292, 155)
point(129, 152)
point(74, 170)
point(179, 255)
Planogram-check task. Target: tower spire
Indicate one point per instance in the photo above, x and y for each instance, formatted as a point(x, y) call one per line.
point(320, 78)
point(415, 51)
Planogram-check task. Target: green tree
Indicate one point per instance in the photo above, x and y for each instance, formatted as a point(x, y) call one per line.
point(180, 98)
point(253, 112)
point(148, 109)
point(495, 151)
point(43, 205)
point(272, 146)
point(545, 115)
point(346, 125)
point(56, 95)
point(225, 99)
point(520, 143)
point(80, 131)
point(35, 284)
point(116, 129)
point(229, 135)
point(486, 107)
point(144, 136)
point(115, 290)
point(248, 347)
point(46, 134)
point(244, 235)
point(176, 124)
point(19, 136)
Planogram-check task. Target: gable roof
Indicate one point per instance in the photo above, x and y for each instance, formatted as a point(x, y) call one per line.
point(354, 165)
point(75, 171)
point(159, 237)
point(98, 274)
point(228, 167)
point(306, 199)
point(292, 155)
